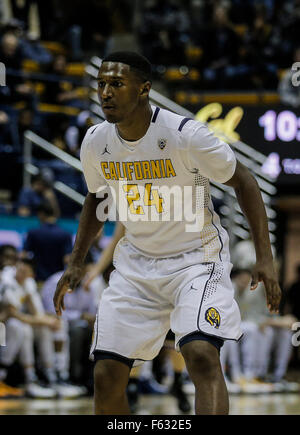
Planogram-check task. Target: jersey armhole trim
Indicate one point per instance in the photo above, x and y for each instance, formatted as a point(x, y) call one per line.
point(183, 122)
point(155, 114)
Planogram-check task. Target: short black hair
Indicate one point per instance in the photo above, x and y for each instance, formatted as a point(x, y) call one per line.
point(29, 262)
point(4, 248)
point(45, 208)
point(138, 63)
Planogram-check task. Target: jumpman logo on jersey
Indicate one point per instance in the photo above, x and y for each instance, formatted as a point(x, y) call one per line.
point(193, 288)
point(105, 150)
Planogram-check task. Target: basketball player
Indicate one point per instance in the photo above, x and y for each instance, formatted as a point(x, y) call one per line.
point(166, 275)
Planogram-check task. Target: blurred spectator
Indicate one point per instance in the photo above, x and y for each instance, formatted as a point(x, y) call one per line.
point(293, 296)
point(163, 32)
point(60, 89)
point(30, 47)
point(30, 198)
point(7, 132)
point(26, 121)
point(264, 334)
point(16, 89)
point(18, 290)
point(20, 10)
point(261, 54)
point(8, 256)
point(243, 254)
point(94, 38)
point(289, 93)
point(79, 316)
point(75, 133)
point(58, 123)
point(49, 244)
point(220, 44)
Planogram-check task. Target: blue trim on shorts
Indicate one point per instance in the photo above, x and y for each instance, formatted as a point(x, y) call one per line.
point(100, 355)
point(210, 277)
point(198, 335)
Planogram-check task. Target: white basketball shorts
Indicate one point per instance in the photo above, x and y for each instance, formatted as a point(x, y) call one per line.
point(148, 296)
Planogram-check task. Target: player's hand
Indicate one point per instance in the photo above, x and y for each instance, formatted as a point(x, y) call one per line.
point(265, 272)
point(67, 283)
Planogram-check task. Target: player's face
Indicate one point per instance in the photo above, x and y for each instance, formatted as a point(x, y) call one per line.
point(23, 272)
point(119, 91)
point(9, 257)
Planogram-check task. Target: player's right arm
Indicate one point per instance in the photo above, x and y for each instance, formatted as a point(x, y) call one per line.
point(89, 225)
point(88, 228)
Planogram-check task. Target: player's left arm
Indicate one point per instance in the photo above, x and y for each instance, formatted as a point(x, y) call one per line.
point(250, 200)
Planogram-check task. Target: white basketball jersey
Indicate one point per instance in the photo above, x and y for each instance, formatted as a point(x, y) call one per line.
point(160, 183)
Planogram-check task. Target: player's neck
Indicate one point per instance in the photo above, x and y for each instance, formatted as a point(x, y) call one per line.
point(136, 126)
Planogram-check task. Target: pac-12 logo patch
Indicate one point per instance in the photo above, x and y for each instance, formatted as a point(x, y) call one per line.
point(162, 143)
point(212, 316)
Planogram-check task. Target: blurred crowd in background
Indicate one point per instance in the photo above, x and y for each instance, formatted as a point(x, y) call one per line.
point(193, 44)
point(197, 45)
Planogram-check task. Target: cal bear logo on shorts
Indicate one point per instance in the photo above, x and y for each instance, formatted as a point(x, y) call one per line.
point(212, 316)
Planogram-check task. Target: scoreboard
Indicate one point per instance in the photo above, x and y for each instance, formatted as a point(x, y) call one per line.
point(273, 130)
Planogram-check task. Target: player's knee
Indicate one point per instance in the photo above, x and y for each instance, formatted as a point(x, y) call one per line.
point(110, 379)
point(15, 326)
point(27, 332)
point(202, 358)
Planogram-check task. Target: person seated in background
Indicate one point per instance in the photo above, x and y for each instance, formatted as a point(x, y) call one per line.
point(29, 45)
point(75, 133)
point(220, 43)
point(26, 321)
point(243, 369)
point(40, 191)
point(290, 93)
point(72, 342)
point(21, 302)
point(49, 245)
point(164, 32)
point(274, 354)
point(7, 136)
point(17, 88)
point(60, 89)
point(58, 124)
point(250, 360)
point(292, 299)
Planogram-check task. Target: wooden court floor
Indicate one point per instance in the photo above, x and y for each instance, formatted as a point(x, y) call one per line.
point(272, 404)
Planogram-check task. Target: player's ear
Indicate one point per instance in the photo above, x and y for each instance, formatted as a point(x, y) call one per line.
point(145, 88)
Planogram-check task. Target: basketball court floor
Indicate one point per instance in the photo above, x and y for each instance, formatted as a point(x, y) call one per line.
point(271, 404)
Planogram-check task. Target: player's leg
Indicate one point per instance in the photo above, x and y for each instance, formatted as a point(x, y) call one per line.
point(203, 364)
point(133, 388)
point(110, 382)
point(131, 324)
point(205, 314)
point(178, 365)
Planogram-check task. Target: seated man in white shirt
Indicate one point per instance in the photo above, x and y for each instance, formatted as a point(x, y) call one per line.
point(73, 339)
point(18, 290)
